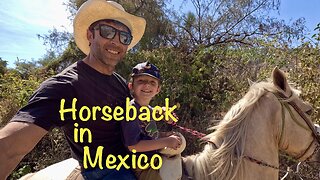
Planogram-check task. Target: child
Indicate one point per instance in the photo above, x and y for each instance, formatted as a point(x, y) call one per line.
point(141, 135)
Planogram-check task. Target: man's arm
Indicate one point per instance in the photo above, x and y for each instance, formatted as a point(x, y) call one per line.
point(16, 140)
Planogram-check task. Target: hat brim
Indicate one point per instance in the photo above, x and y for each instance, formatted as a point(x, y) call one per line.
point(145, 74)
point(94, 10)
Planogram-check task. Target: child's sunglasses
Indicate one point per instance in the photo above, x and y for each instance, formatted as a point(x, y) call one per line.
point(109, 32)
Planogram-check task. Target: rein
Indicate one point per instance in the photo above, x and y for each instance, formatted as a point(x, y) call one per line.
point(201, 136)
point(195, 133)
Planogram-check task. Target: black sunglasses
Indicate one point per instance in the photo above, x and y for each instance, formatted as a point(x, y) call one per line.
point(110, 32)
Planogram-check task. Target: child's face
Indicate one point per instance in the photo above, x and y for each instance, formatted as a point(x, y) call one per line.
point(145, 87)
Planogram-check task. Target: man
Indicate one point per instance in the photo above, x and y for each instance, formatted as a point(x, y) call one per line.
point(104, 32)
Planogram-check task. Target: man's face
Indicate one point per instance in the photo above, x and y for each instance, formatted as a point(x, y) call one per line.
point(108, 51)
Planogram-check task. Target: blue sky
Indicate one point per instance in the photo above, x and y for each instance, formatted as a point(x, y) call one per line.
point(294, 9)
point(22, 20)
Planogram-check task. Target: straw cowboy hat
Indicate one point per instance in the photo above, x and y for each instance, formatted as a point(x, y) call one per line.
point(94, 10)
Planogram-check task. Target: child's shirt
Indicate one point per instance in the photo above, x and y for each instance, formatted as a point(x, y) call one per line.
point(137, 130)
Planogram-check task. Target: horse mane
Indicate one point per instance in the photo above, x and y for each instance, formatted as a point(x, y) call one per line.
point(229, 135)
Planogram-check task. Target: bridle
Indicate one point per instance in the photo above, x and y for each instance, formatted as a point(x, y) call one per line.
point(316, 137)
point(311, 126)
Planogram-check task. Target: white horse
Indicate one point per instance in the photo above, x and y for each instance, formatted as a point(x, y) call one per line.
point(246, 143)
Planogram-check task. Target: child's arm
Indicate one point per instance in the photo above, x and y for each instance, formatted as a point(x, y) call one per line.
point(172, 141)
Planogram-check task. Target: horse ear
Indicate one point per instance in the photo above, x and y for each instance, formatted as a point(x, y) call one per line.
point(280, 80)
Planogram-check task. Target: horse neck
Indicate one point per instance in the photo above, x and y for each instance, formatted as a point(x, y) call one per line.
point(262, 139)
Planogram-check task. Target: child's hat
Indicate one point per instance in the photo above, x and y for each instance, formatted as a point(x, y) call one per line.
point(146, 68)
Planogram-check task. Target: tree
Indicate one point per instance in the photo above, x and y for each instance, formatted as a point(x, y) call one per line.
point(214, 22)
point(25, 68)
point(157, 21)
point(56, 41)
point(3, 66)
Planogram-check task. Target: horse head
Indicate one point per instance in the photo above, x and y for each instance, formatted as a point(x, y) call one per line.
point(297, 134)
